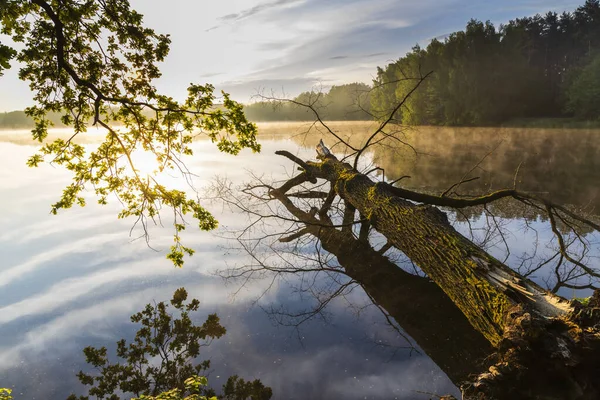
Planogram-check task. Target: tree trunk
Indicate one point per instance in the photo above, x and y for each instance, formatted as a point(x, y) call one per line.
point(419, 306)
point(546, 347)
point(483, 288)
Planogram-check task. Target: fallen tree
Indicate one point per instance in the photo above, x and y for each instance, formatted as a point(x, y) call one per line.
point(546, 346)
point(445, 335)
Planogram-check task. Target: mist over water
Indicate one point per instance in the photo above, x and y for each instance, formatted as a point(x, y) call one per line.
point(73, 280)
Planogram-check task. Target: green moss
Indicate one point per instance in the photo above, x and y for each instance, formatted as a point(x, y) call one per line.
point(583, 300)
point(496, 304)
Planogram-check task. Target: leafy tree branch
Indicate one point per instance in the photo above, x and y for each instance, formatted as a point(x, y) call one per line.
point(94, 62)
point(160, 361)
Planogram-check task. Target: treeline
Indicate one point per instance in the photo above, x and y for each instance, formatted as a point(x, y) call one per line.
point(19, 120)
point(344, 102)
point(532, 67)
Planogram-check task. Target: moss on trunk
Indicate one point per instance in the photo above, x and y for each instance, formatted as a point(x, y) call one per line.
point(483, 288)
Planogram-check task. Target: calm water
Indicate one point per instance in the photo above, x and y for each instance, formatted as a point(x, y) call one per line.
point(73, 280)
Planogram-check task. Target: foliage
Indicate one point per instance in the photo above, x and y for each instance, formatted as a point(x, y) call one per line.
point(173, 341)
point(235, 389)
point(192, 386)
point(349, 102)
point(96, 61)
point(20, 120)
point(583, 95)
point(5, 394)
point(238, 389)
point(486, 75)
point(6, 53)
point(583, 300)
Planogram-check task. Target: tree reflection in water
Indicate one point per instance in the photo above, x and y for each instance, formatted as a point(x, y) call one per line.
point(312, 233)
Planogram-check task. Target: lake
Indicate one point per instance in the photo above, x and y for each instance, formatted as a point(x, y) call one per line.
point(73, 280)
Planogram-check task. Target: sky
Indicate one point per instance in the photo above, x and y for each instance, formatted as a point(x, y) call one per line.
point(284, 47)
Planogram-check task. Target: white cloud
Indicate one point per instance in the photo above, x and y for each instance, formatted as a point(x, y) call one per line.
point(68, 290)
point(91, 321)
point(82, 246)
point(70, 222)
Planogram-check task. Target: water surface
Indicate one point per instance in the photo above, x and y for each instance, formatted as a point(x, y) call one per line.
point(73, 280)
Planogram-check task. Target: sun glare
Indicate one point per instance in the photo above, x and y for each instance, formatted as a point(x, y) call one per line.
point(145, 163)
point(147, 166)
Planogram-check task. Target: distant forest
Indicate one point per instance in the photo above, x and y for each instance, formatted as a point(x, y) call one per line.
point(19, 120)
point(350, 102)
point(532, 67)
point(545, 66)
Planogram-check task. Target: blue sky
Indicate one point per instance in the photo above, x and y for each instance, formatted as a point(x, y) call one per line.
point(288, 46)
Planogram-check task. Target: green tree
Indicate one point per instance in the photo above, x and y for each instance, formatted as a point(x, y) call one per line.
point(238, 389)
point(15, 120)
point(235, 389)
point(583, 95)
point(483, 75)
point(175, 341)
point(349, 102)
point(6, 54)
point(383, 95)
point(95, 63)
point(5, 394)
point(408, 70)
point(193, 387)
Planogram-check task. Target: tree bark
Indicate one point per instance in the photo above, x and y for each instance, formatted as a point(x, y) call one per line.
point(418, 305)
point(483, 288)
point(546, 346)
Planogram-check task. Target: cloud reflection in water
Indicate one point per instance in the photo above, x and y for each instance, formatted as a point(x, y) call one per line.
point(72, 281)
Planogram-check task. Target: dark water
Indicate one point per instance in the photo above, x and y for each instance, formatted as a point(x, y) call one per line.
point(72, 280)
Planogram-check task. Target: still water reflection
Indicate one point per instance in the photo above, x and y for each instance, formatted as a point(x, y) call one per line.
point(72, 280)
